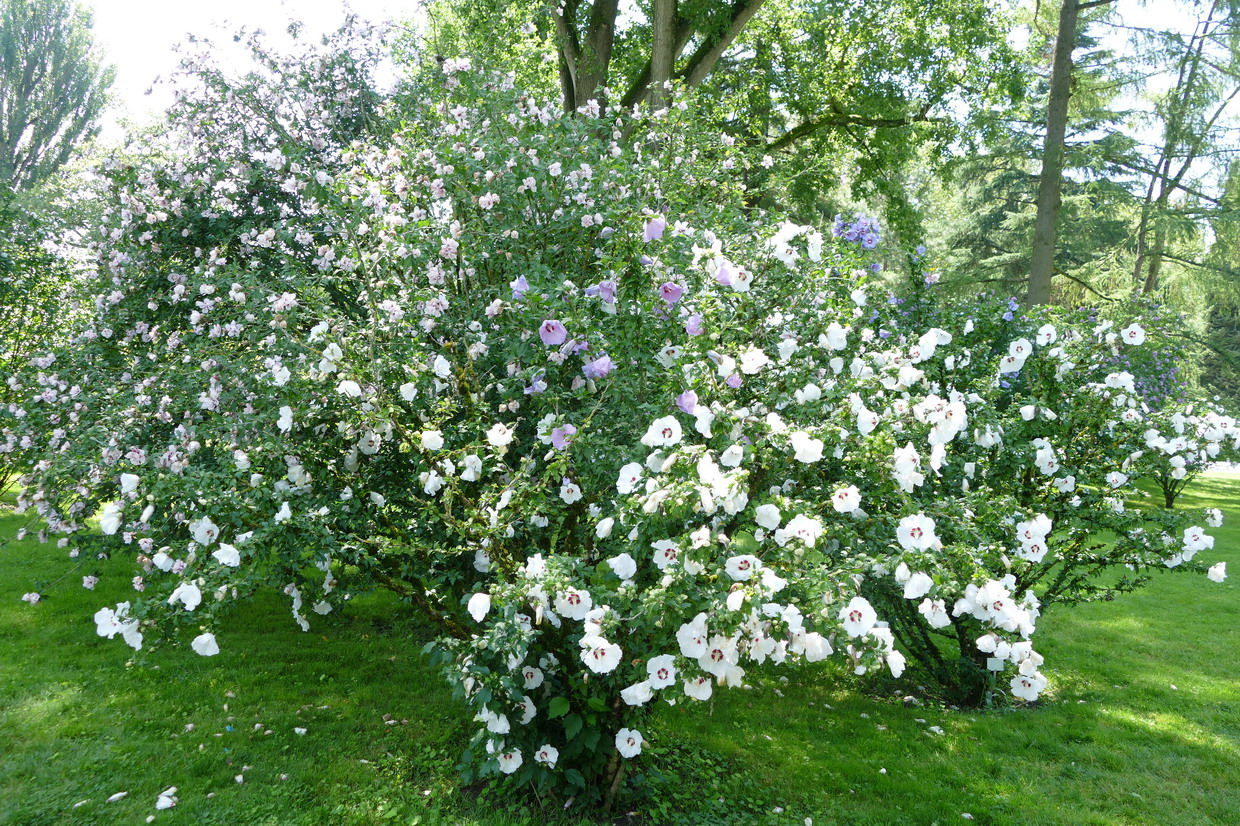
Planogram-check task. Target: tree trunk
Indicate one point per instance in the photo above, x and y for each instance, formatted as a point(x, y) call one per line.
point(568, 85)
point(704, 59)
point(1155, 259)
point(1169, 494)
point(1183, 139)
point(1042, 262)
point(584, 64)
point(1143, 228)
point(595, 60)
point(569, 51)
point(613, 779)
point(663, 54)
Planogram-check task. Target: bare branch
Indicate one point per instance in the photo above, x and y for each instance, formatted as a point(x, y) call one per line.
point(1203, 265)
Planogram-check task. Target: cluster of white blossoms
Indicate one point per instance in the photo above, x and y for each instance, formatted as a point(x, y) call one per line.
point(1032, 537)
point(993, 604)
point(109, 622)
point(1195, 539)
point(1194, 438)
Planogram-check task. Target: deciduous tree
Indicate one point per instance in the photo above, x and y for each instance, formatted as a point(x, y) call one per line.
point(53, 87)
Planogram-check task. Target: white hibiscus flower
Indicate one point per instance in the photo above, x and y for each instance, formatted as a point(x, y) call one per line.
point(599, 655)
point(916, 533)
point(205, 645)
point(629, 742)
point(858, 617)
point(741, 568)
point(663, 432)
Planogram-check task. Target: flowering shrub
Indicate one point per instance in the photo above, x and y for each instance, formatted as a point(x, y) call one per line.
point(1185, 439)
point(33, 304)
point(620, 439)
point(1159, 359)
point(1045, 468)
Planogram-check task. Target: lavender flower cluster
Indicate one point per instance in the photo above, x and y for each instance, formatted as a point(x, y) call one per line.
point(863, 230)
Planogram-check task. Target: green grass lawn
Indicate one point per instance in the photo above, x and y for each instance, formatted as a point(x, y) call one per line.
point(1142, 724)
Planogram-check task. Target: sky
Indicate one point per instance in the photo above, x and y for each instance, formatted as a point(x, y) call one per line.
point(138, 37)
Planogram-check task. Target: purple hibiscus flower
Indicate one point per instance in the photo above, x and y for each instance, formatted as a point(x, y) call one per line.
point(561, 436)
point(552, 333)
point(537, 384)
point(598, 368)
point(671, 292)
point(654, 229)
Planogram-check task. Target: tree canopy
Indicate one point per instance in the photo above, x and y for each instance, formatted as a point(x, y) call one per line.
point(841, 95)
point(53, 87)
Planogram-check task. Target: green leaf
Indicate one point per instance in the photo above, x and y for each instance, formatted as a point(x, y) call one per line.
point(744, 543)
point(572, 726)
point(597, 703)
point(558, 707)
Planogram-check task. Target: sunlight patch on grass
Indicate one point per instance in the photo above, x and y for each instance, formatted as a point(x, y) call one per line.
point(38, 716)
point(1174, 727)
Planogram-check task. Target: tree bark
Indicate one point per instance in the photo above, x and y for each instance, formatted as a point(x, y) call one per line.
point(1155, 256)
point(704, 60)
point(584, 64)
point(662, 53)
point(640, 88)
point(595, 59)
point(570, 50)
point(1042, 261)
